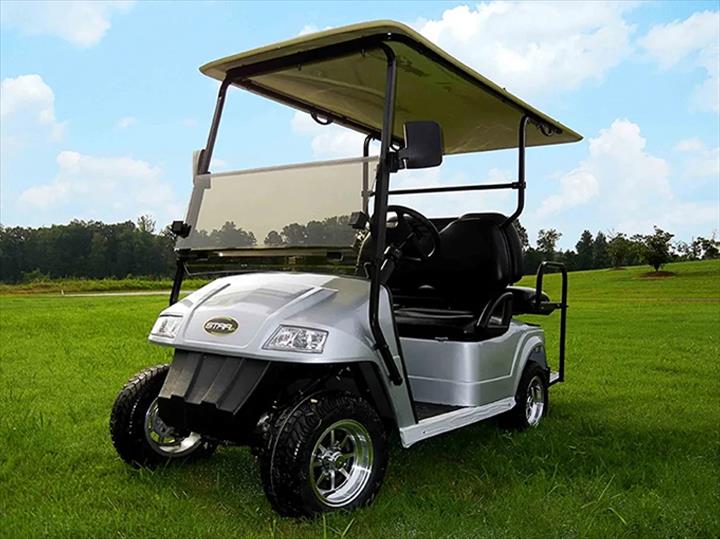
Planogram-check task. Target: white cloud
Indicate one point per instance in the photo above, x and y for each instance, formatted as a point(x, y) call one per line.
point(535, 47)
point(577, 187)
point(308, 29)
point(622, 185)
point(702, 162)
point(218, 164)
point(82, 23)
point(695, 42)
point(692, 144)
point(126, 121)
point(311, 29)
point(618, 168)
point(27, 113)
point(328, 141)
point(106, 187)
point(685, 219)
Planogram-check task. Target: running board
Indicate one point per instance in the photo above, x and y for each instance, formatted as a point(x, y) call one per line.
point(432, 426)
point(554, 377)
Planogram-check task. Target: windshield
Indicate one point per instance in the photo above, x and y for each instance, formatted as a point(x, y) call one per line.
point(295, 206)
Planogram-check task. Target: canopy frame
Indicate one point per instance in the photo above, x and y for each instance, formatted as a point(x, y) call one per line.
point(240, 77)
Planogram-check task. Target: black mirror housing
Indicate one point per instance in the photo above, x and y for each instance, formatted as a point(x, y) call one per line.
point(423, 145)
point(180, 229)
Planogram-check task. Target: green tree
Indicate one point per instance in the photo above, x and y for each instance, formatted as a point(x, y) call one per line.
point(522, 234)
point(273, 239)
point(146, 223)
point(618, 249)
point(294, 234)
point(707, 248)
point(655, 249)
point(98, 258)
point(584, 249)
point(600, 256)
point(546, 242)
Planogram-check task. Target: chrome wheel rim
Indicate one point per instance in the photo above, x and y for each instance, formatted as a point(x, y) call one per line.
point(163, 439)
point(341, 463)
point(535, 403)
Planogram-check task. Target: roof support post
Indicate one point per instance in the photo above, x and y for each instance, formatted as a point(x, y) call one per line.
point(380, 215)
point(522, 138)
point(206, 155)
point(366, 175)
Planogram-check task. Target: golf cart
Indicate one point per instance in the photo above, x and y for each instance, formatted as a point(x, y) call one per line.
point(336, 318)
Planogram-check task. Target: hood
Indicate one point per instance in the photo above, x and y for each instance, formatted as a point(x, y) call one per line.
point(237, 315)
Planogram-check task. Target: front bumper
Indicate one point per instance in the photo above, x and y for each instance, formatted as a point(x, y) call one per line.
point(214, 395)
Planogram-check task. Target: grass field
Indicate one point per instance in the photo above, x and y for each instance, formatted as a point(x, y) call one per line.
point(630, 448)
point(64, 286)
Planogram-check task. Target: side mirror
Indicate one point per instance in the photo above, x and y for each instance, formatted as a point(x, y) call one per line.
point(180, 228)
point(423, 145)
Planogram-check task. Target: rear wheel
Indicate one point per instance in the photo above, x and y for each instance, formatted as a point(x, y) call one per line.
point(327, 453)
point(139, 435)
point(531, 399)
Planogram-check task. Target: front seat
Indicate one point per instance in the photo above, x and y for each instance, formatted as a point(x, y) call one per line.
point(480, 256)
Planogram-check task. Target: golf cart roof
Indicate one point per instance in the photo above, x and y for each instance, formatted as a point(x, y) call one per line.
point(339, 75)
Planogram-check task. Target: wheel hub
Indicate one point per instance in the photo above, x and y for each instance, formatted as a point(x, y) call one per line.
point(164, 439)
point(341, 463)
point(535, 403)
point(159, 426)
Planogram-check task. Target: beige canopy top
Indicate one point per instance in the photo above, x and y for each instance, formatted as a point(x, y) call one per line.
point(340, 74)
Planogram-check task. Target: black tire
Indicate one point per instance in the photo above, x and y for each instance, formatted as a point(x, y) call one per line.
point(287, 455)
point(127, 422)
point(517, 418)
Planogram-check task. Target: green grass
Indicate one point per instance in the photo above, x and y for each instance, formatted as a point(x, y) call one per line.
point(630, 448)
point(58, 286)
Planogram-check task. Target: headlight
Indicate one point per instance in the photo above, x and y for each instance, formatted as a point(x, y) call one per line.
point(295, 339)
point(167, 326)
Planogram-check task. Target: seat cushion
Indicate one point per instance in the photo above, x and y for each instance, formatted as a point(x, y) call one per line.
point(453, 325)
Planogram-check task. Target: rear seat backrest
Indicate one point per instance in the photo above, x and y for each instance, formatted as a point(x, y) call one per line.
point(476, 261)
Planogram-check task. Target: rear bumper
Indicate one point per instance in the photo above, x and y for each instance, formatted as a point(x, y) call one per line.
point(214, 395)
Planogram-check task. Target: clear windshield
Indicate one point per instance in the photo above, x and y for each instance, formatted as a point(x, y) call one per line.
point(295, 206)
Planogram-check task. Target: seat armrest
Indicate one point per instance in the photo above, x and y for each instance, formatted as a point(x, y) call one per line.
point(497, 314)
point(525, 301)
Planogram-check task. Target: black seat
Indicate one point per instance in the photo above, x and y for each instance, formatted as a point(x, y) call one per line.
point(464, 291)
point(479, 257)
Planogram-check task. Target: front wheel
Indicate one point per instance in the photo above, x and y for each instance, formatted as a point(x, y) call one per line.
point(326, 453)
point(139, 435)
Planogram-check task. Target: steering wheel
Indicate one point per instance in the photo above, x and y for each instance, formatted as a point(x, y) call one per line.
point(418, 237)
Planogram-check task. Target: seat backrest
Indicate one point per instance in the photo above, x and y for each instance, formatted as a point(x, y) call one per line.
point(478, 257)
point(515, 250)
point(475, 264)
point(514, 245)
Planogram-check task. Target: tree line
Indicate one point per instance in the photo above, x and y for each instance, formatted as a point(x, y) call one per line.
point(614, 250)
point(330, 231)
point(86, 249)
point(92, 249)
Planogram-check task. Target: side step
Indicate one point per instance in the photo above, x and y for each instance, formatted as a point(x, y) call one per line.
point(432, 426)
point(554, 377)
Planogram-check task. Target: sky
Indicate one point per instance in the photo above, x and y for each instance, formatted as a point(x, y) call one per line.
point(102, 105)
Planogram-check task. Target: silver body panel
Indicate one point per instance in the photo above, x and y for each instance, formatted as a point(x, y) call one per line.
point(469, 373)
point(261, 302)
point(481, 377)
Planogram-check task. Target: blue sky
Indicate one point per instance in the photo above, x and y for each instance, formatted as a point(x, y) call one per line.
point(102, 106)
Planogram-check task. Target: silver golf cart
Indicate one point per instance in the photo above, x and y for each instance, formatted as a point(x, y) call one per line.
point(335, 318)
